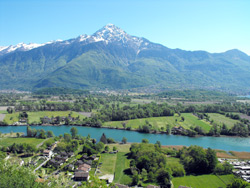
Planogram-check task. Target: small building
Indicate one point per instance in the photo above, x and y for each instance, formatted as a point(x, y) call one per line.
point(86, 165)
point(119, 186)
point(64, 154)
point(89, 162)
point(84, 169)
point(47, 153)
point(81, 176)
point(79, 162)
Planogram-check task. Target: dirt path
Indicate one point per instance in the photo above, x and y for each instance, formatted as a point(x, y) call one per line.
point(2, 116)
point(87, 114)
point(38, 145)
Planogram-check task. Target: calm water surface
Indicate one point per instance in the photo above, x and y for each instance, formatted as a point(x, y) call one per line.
point(224, 143)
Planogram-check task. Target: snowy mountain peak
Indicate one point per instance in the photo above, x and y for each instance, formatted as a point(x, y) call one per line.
point(22, 47)
point(107, 34)
point(110, 32)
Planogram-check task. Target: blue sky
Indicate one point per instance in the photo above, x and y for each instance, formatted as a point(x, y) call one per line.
point(212, 25)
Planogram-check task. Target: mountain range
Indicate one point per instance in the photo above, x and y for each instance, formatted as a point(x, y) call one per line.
point(113, 59)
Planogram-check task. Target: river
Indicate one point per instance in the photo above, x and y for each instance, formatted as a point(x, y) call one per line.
point(224, 143)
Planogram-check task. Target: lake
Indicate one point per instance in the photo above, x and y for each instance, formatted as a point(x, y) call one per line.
point(224, 143)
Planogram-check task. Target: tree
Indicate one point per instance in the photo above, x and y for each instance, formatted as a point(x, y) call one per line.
point(18, 176)
point(164, 176)
point(50, 134)
point(17, 135)
point(67, 137)
point(103, 139)
point(99, 146)
point(168, 129)
point(158, 143)
point(135, 179)
point(238, 183)
point(144, 140)
point(114, 148)
point(124, 140)
point(182, 118)
point(42, 134)
point(144, 174)
point(74, 132)
point(212, 160)
point(110, 140)
point(106, 148)
point(10, 110)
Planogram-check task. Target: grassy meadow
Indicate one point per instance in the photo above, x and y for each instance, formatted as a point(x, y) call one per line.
point(203, 181)
point(10, 141)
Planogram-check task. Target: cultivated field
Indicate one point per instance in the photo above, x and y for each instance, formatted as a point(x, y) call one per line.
point(158, 122)
point(220, 119)
point(241, 155)
point(35, 116)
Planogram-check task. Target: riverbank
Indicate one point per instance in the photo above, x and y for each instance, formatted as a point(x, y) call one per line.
point(222, 143)
point(135, 130)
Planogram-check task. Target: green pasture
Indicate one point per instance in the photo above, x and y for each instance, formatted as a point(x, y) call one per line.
point(203, 181)
point(10, 141)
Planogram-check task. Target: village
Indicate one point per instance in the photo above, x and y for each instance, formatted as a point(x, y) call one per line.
point(241, 167)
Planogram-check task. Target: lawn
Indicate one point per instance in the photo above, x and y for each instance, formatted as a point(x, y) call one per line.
point(158, 122)
point(220, 119)
point(108, 163)
point(122, 171)
point(203, 181)
point(11, 118)
point(35, 116)
point(121, 147)
point(10, 141)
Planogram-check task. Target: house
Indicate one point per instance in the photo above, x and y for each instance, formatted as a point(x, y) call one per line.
point(64, 154)
point(178, 130)
point(23, 120)
point(47, 153)
point(79, 162)
point(69, 167)
point(119, 186)
point(58, 157)
point(89, 162)
point(152, 186)
point(46, 120)
point(84, 169)
point(84, 157)
point(87, 165)
point(81, 176)
point(70, 154)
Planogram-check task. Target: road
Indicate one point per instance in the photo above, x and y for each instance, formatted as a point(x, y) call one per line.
point(42, 164)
